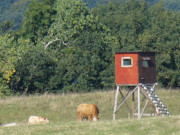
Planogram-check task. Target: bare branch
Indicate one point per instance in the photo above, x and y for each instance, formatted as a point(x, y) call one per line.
point(66, 44)
point(50, 42)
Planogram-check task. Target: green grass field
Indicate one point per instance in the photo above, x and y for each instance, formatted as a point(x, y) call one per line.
point(61, 112)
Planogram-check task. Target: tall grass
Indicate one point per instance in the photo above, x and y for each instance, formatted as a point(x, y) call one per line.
point(58, 108)
point(61, 112)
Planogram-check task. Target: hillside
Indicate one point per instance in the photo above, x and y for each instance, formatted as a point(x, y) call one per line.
point(14, 9)
point(61, 112)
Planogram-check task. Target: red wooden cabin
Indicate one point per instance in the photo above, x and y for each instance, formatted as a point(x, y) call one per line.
point(133, 68)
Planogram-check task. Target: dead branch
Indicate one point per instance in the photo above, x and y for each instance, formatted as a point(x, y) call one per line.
point(50, 42)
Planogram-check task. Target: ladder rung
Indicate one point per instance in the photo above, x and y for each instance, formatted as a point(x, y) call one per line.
point(154, 98)
point(164, 113)
point(162, 110)
point(161, 106)
point(152, 95)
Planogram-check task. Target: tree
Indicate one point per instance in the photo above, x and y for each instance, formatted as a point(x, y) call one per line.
point(10, 53)
point(6, 26)
point(165, 29)
point(81, 45)
point(33, 72)
point(37, 19)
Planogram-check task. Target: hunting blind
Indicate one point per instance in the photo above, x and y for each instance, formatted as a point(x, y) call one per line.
point(137, 69)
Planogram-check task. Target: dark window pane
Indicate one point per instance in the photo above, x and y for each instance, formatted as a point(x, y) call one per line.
point(145, 63)
point(126, 62)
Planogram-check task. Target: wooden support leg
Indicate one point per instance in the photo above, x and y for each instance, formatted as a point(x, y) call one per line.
point(115, 102)
point(144, 107)
point(133, 104)
point(139, 111)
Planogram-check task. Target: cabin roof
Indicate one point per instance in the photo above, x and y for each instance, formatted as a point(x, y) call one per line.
point(132, 52)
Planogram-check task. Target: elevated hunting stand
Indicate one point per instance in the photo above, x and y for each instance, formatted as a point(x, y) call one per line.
point(137, 69)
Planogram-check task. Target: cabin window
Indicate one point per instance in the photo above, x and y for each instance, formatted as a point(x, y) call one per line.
point(126, 62)
point(147, 63)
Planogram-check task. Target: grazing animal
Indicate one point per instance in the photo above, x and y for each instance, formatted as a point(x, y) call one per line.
point(37, 120)
point(88, 111)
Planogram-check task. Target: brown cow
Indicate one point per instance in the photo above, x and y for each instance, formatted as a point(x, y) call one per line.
point(88, 111)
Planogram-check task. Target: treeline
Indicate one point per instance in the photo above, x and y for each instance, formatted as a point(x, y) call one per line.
point(63, 46)
point(12, 11)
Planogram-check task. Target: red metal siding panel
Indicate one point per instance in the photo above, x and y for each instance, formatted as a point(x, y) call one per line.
point(126, 75)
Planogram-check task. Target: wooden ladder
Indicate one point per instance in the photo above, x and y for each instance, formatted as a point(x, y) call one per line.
point(148, 90)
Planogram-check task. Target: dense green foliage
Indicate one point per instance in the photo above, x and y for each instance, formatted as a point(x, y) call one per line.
point(11, 52)
point(63, 46)
point(80, 47)
point(37, 19)
point(33, 72)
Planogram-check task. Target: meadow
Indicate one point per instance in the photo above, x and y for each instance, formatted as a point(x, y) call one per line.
point(60, 109)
